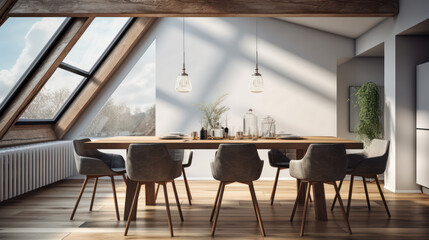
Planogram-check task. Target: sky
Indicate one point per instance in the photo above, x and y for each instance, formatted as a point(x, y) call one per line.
point(21, 40)
point(94, 41)
point(137, 90)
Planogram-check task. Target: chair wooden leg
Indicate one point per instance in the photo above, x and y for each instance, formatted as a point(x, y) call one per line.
point(177, 200)
point(273, 193)
point(304, 216)
point(156, 192)
point(342, 207)
point(188, 190)
point(167, 206)
point(366, 193)
point(349, 202)
point(256, 206)
point(80, 196)
point(114, 197)
point(125, 179)
point(382, 195)
point(216, 200)
point(335, 198)
point(93, 194)
point(296, 202)
point(222, 189)
point(133, 206)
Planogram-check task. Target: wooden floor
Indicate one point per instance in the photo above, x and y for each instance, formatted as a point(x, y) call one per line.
point(44, 214)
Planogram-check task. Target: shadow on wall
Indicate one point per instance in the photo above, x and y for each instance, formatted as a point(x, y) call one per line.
point(304, 65)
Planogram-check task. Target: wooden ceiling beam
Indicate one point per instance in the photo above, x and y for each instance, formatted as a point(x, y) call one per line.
point(214, 8)
point(42, 73)
point(25, 134)
point(102, 75)
point(5, 7)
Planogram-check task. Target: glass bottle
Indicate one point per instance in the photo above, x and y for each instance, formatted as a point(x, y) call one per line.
point(217, 131)
point(203, 134)
point(268, 127)
point(250, 124)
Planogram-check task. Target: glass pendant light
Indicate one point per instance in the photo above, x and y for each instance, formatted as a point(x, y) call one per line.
point(183, 82)
point(256, 83)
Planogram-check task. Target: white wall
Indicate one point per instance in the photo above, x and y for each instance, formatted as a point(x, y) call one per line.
point(411, 12)
point(410, 52)
point(355, 72)
point(399, 84)
point(298, 64)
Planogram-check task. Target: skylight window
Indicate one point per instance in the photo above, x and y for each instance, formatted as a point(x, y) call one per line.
point(79, 65)
point(94, 42)
point(131, 108)
point(21, 41)
point(53, 95)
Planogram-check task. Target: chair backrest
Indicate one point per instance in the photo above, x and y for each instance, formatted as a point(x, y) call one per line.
point(188, 156)
point(324, 162)
point(378, 148)
point(277, 156)
point(375, 162)
point(151, 163)
point(80, 150)
point(237, 163)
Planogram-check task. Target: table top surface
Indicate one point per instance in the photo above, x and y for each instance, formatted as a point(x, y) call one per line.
point(123, 142)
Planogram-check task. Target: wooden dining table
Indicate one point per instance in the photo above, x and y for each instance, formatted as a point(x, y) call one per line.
point(300, 144)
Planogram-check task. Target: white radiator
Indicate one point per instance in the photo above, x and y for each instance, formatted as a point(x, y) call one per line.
point(28, 167)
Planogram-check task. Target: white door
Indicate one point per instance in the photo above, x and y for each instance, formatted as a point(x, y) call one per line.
point(422, 154)
point(423, 96)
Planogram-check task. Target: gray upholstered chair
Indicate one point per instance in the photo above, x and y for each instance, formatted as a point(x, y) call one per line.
point(367, 164)
point(236, 163)
point(151, 163)
point(94, 164)
point(323, 163)
point(189, 155)
point(278, 159)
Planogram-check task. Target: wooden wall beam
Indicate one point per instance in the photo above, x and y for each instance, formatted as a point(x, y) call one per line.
point(214, 8)
point(102, 75)
point(5, 7)
point(42, 74)
point(25, 134)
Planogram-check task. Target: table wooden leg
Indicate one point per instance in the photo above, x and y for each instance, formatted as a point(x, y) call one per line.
point(150, 193)
point(301, 193)
point(319, 201)
point(129, 196)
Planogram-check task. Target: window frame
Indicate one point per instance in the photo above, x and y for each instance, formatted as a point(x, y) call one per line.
point(86, 75)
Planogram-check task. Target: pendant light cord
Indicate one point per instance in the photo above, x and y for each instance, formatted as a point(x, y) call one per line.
point(256, 45)
point(183, 47)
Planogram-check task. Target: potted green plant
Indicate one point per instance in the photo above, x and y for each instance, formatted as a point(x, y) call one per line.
point(369, 126)
point(211, 112)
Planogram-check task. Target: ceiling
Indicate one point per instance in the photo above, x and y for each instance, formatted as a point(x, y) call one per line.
point(419, 29)
point(351, 27)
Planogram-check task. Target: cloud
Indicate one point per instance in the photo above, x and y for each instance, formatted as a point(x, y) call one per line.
point(138, 87)
point(35, 39)
point(94, 42)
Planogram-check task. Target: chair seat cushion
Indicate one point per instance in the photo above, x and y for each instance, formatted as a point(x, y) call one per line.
point(119, 170)
point(281, 164)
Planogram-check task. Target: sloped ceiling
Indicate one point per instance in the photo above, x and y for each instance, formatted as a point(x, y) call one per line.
point(351, 27)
